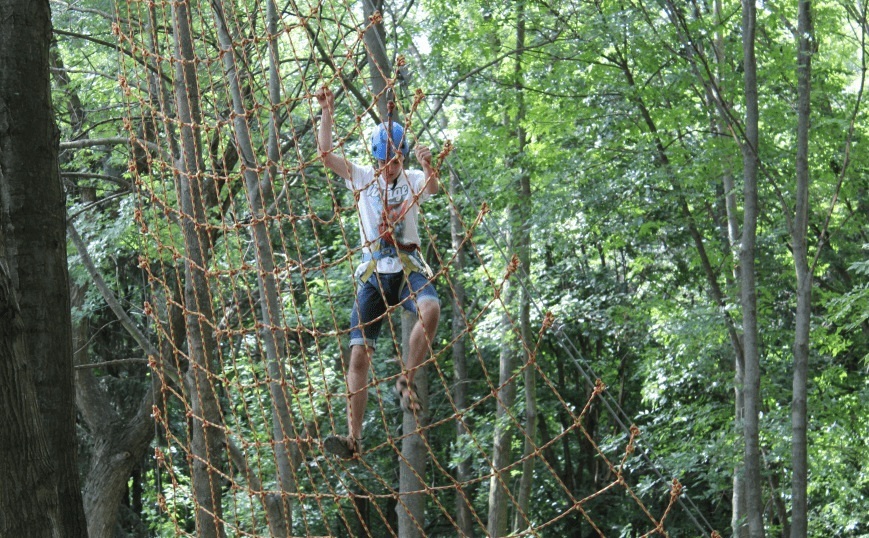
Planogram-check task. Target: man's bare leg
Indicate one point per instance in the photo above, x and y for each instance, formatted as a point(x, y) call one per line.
point(429, 313)
point(348, 447)
point(357, 388)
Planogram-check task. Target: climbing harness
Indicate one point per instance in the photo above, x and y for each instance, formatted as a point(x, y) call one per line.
point(410, 259)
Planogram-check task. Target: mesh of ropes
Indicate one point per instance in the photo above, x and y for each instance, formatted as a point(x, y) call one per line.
point(249, 248)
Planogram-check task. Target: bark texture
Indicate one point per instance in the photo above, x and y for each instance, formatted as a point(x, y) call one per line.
point(29, 503)
point(206, 445)
point(799, 444)
point(503, 436)
point(40, 494)
point(751, 393)
point(414, 452)
point(375, 48)
point(523, 250)
point(464, 510)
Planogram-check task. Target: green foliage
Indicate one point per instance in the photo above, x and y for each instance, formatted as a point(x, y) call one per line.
point(627, 155)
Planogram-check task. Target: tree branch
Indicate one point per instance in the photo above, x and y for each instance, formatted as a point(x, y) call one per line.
point(114, 141)
point(118, 48)
point(108, 198)
point(88, 175)
point(110, 363)
point(107, 294)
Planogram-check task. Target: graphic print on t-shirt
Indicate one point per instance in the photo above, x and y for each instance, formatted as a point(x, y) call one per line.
point(392, 218)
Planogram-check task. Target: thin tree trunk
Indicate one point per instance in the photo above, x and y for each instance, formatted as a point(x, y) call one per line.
point(273, 150)
point(375, 48)
point(503, 432)
point(523, 250)
point(411, 508)
point(737, 520)
point(717, 296)
point(464, 511)
point(271, 311)
point(38, 465)
point(206, 447)
point(778, 503)
point(753, 486)
point(799, 444)
point(738, 523)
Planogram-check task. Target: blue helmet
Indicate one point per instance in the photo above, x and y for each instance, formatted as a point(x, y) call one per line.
point(380, 146)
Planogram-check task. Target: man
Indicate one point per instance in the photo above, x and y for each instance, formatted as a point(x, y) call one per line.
point(392, 270)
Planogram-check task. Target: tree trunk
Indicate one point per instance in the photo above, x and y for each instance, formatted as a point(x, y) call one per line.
point(29, 503)
point(799, 445)
point(271, 311)
point(464, 510)
point(118, 448)
point(737, 520)
point(375, 49)
point(778, 502)
point(205, 446)
point(523, 250)
point(119, 444)
point(411, 506)
point(38, 468)
point(753, 486)
point(503, 433)
point(273, 149)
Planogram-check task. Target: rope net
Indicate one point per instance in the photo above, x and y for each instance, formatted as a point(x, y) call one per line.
point(249, 245)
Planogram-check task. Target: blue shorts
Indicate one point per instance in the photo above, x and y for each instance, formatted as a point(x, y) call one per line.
point(380, 291)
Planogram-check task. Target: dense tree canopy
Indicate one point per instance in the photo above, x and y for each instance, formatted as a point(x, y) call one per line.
point(600, 142)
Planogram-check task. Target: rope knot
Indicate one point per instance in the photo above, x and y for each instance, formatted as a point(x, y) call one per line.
point(445, 151)
point(548, 320)
point(635, 431)
point(418, 96)
point(482, 213)
point(676, 490)
point(512, 266)
point(599, 387)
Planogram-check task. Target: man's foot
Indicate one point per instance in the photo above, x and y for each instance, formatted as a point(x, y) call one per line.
point(407, 394)
point(343, 446)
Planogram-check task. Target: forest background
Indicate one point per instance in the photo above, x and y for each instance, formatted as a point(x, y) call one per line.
point(645, 161)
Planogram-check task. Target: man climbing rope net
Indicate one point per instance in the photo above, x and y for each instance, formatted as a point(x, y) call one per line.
point(392, 270)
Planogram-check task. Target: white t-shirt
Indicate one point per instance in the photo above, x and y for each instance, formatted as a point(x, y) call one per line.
point(399, 220)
